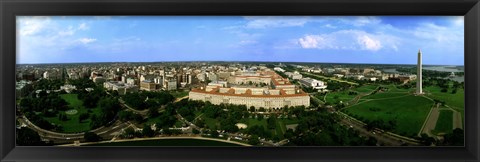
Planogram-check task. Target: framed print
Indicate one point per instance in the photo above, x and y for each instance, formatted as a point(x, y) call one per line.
point(247, 81)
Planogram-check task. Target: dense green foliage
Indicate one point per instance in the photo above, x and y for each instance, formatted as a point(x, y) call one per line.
point(91, 137)
point(145, 100)
point(28, 137)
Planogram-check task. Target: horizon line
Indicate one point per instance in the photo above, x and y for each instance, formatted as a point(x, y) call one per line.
point(229, 61)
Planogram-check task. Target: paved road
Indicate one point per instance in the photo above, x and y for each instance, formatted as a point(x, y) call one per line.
point(141, 112)
point(105, 132)
point(457, 120)
point(161, 137)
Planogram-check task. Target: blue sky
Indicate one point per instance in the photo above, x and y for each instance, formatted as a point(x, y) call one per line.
point(354, 39)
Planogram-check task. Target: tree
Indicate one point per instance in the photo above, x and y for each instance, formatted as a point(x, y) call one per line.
point(200, 123)
point(271, 122)
point(253, 140)
point(62, 117)
point(147, 131)
point(28, 137)
point(260, 117)
point(261, 109)
point(456, 138)
point(194, 131)
point(153, 112)
point(91, 137)
point(166, 130)
point(83, 116)
point(125, 115)
point(215, 133)
point(129, 132)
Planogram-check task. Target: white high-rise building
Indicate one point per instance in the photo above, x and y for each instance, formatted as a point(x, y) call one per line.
point(419, 73)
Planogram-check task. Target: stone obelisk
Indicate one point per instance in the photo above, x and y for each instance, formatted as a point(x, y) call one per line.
point(419, 73)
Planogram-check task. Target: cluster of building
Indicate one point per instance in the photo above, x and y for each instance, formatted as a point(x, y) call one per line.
point(259, 87)
point(369, 74)
point(307, 82)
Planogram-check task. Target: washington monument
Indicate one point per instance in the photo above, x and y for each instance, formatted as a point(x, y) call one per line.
point(419, 73)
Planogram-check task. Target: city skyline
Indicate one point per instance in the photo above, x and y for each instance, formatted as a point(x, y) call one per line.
point(369, 40)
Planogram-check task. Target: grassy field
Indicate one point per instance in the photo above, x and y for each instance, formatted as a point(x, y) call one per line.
point(381, 95)
point(409, 112)
point(335, 97)
point(73, 125)
point(211, 123)
point(252, 122)
point(365, 88)
point(456, 100)
point(168, 142)
point(444, 122)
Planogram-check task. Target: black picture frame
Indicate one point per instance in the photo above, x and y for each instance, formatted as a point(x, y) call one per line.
point(11, 8)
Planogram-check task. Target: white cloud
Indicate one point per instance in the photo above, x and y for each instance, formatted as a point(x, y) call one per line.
point(349, 40)
point(330, 26)
point(369, 43)
point(312, 41)
point(87, 40)
point(32, 25)
point(83, 26)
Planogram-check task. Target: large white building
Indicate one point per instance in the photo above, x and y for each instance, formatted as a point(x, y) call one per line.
point(283, 93)
point(313, 83)
point(120, 87)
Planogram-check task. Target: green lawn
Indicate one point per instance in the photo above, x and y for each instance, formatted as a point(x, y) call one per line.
point(393, 88)
point(456, 100)
point(252, 122)
point(444, 122)
point(409, 112)
point(280, 129)
point(366, 88)
point(380, 95)
point(178, 124)
point(73, 125)
point(335, 97)
point(211, 123)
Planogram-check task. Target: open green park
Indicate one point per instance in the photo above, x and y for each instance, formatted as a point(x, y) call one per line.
point(401, 106)
point(455, 101)
point(280, 124)
point(444, 122)
point(346, 95)
point(409, 112)
point(72, 125)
